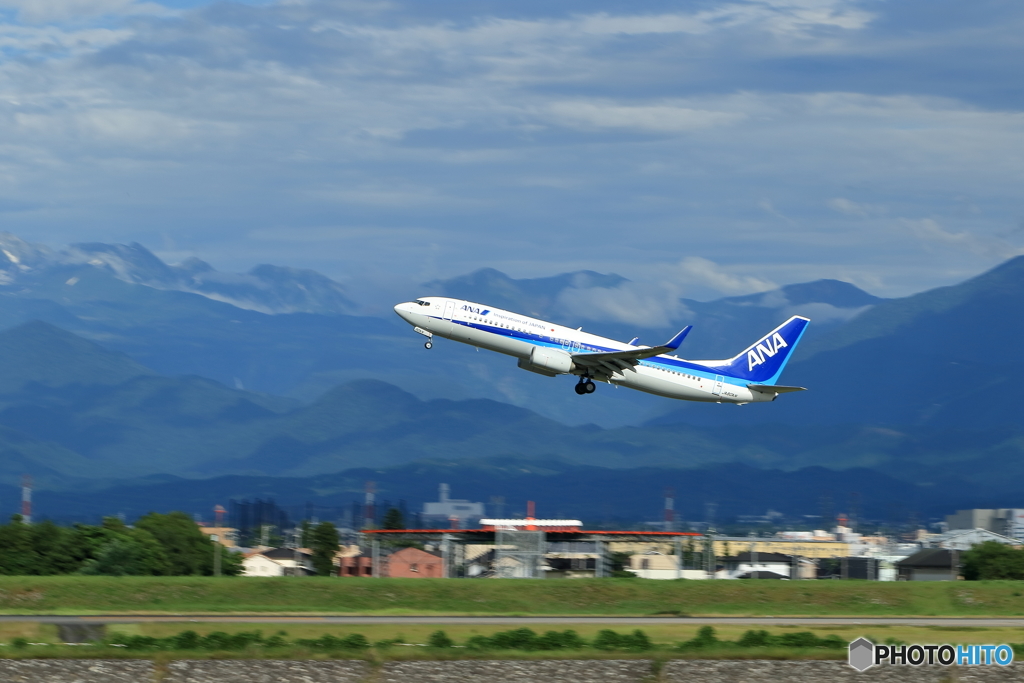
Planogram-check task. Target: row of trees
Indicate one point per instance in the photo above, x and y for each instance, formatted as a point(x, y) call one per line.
point(157, 545)
point(991, 560)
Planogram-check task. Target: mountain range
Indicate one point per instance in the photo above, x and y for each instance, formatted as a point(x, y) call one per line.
point(120, 369)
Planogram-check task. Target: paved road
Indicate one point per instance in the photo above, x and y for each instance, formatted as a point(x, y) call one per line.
point(514, 621)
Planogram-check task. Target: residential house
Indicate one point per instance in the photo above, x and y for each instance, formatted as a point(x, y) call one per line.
point(413, 563)
point(930, 564)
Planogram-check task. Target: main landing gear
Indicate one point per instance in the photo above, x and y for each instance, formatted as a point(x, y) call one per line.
point(585, 386)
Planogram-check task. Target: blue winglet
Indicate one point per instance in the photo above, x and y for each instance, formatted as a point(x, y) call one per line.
point(675, 341)
point(633, 341)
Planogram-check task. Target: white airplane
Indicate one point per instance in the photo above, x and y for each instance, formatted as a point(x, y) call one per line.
point(549, 349)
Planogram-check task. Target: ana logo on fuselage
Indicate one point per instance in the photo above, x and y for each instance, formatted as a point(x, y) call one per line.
point(475, 310)
point(768, 346)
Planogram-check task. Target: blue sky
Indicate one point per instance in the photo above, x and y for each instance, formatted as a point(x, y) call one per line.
point(697, 148)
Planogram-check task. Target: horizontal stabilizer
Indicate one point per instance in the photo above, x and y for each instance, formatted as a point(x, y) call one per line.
point(773, 388)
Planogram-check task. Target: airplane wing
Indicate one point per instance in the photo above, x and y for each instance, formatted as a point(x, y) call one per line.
point(616, 361)
point(773, 388)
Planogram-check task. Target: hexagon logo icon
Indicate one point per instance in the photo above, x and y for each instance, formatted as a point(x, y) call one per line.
point(862, 654)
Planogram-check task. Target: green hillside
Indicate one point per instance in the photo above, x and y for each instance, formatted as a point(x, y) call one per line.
point(40, 353)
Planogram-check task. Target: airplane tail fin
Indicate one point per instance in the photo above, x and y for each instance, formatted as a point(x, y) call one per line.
point(763, 361)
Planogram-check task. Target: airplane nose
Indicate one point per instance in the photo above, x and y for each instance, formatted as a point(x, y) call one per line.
point(403, 311)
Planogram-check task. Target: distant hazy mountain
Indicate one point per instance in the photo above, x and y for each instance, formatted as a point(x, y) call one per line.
point(600, 497)
point(941, 358)
point(93, 414)
point(265, 288)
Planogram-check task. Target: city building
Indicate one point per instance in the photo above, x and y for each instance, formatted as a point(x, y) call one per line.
point(451, 512)
point(810, 546)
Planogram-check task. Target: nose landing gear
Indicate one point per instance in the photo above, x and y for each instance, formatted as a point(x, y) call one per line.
point(426, 333)
point(585, 386)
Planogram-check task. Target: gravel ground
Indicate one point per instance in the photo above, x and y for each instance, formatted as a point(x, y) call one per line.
point(512, 671)
point(265, 671)
point(765, 671)
point(76, 671)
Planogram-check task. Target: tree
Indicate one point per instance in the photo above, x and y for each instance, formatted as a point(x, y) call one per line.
point(17, 555)
point(324, 544)
point(115, 549)
point(121, 557)
point(393, 519)
point(992, 560)
point(189, 550)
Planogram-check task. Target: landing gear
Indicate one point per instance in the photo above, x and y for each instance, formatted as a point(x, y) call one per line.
point(426, 333)
point(585, 386)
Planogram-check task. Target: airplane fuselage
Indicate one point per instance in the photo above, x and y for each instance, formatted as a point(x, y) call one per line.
point(528, 339)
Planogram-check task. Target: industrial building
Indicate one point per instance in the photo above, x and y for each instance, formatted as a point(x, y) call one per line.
point(1004, 521)
point(530, 548)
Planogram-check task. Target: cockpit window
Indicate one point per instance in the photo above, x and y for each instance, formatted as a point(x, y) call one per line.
point(421, 302)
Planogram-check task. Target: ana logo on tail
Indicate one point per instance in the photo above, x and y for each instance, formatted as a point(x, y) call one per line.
point(769, 346)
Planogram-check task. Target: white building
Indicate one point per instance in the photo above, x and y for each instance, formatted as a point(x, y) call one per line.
point(965, 539)
point(756, 565)
point(278, 562)
point(652, 565)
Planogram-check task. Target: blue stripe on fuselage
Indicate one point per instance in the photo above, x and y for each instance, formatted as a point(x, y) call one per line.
point(656, 361)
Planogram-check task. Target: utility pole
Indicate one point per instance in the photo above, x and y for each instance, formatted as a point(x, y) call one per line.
point(375, 554)
point(216, 554)
point(679, 557)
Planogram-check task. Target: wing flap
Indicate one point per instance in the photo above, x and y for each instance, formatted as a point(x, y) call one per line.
point(773, 388)
point(630, 357)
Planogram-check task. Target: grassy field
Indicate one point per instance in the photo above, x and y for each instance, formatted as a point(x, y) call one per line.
point(580, 597)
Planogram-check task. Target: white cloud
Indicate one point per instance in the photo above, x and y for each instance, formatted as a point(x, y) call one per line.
point(517, 137)
point(655, 118)
point(930, 233)
point(826, 313)
point(702, 271)
point(633, 303)
point(53, 11)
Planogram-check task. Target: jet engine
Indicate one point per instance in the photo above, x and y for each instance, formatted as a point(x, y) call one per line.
point(547, 361)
